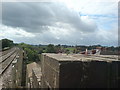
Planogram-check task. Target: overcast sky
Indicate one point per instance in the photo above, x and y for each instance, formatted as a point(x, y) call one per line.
point(77, 22)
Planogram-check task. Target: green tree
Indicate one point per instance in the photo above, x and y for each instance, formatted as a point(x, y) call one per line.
point(58, 48)
point(31, 52)
point(6, 43)
point(51, 49)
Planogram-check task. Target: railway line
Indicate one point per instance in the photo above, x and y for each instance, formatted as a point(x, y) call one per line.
point(6, 56)
point(7, 59)
point(2, 53)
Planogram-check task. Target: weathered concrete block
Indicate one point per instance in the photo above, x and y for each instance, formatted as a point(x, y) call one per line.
point(50, 73)
point(36, 76)
point(79, 71)
point(70, 73)
point(17, 70)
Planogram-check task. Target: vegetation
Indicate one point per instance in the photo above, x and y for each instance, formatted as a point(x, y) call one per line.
point(50, 48)
point(33, 52)
point(6, 43)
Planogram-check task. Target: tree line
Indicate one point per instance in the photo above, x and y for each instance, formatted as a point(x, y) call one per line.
point(34, 52)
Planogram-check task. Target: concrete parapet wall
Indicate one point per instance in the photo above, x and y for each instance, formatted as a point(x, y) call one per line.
point(36, 76)
point(50, 73)
point(78, 71)
point(33, 76)
point(17, 71)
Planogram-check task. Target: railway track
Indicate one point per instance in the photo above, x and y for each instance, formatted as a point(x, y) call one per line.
point(8, 59)
point(6, 56)
point(2, 53)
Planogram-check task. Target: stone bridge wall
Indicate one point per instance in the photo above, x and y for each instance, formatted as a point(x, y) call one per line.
point(75, 71)
point(68, 72)
point(17, 71)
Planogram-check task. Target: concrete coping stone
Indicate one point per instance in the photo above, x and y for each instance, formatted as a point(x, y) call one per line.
point(81, 57)
point(37, 72)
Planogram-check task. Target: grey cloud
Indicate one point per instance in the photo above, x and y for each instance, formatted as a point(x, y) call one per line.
point(36, 17)
point(26, 16)
point(40, 18)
